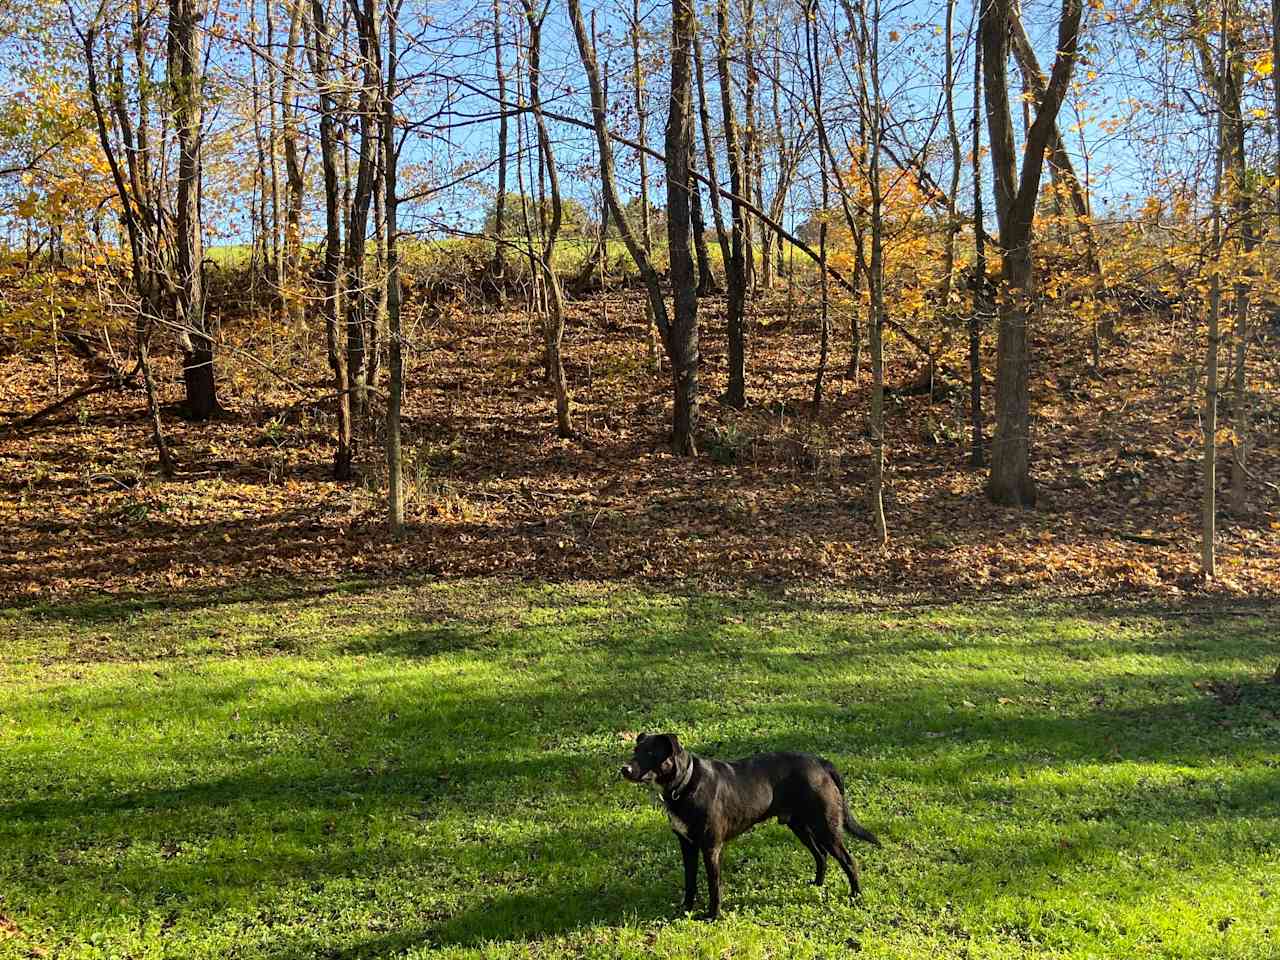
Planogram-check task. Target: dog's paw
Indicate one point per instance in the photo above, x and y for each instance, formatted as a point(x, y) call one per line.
point(709, 917)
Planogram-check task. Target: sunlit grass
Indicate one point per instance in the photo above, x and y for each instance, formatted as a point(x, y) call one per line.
point(433, 770)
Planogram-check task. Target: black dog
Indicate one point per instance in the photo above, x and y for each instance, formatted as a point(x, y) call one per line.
point(709, 802)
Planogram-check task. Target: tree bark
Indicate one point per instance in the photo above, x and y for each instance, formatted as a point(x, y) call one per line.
point(498, 268)
point(706, 276)
point(736, 270)
point(358, 302)
point(291, 269)
point(1010, 481)
point(331, 274)
point(395, 389)
point(553, 317)
point(981, 301)
point(186, 89)
point(683, 341)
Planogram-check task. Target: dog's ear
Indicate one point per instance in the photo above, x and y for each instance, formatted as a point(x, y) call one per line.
point(674, 743)
point(640, 738)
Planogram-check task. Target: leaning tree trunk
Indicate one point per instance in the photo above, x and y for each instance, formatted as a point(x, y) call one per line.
point(683, 342)
point(638, 247)
point(185, 87)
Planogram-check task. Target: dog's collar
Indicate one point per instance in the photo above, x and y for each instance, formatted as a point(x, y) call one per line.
point(678, 789)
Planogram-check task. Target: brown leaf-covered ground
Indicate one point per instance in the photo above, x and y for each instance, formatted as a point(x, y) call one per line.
point(779, 494)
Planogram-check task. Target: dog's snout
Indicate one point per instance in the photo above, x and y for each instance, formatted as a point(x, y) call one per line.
point(626, 771)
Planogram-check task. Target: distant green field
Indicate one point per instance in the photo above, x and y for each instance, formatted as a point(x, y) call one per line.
point(570, 253)
point(432, 771)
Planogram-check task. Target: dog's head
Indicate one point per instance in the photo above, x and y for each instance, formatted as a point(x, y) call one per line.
point(656, 759)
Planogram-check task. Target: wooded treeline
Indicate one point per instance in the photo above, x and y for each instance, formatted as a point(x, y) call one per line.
point(929, 175)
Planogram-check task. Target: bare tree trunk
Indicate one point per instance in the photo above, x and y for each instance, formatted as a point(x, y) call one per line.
point(953, 223)
point(261, 233)
point(1010, 480)
point(683, 341)
point(273, 87)
point(498, 268)
point(395, 389)
point(812, 64)
point(376, 328)
point(981, 303)
point(553, 319)
point(872, 108)
point(359, 304)
point(706, 277)
point(735, 268)
point(136, 212)
point(186, 89)
point(709, 152)
point(332, 272)
point(291, 271)
point(749, 135)
point(646, 226)
point(1208, 504)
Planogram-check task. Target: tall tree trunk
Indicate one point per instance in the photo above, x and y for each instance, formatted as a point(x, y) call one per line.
point(872, 108)
point(750, 133)
point(376, 328)
point(1208, 502)
point(1010, 480)
point(331, 274)
point(291, 270)
point(953, 137)
point(498, 268)
point(553, 318)
point(981, 303)
point(813, 65)
point(706, 276)
point(273, 87)
point(709, 152)
point(646, 226)
point(395, 389)
point(359, 304)
point(683, 342)
point(186, 90)
point(135, 213)
point(736, 270)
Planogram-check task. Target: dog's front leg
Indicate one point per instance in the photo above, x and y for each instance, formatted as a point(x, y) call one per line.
point(711, 858)
point(690, 853)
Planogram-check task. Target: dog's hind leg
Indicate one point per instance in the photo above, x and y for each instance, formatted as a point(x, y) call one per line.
point(819, 855)
point(711, 860)
point(831, 841)
point(848, 864)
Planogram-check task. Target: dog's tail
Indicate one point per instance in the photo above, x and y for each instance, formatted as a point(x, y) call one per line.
point(850, 824)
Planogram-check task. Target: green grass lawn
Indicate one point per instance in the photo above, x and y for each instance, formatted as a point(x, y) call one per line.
point(433, 770)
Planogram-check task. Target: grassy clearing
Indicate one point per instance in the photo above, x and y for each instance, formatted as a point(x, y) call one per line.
point(432, 770)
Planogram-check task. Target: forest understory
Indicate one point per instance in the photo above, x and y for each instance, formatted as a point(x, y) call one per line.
point(778, 494)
